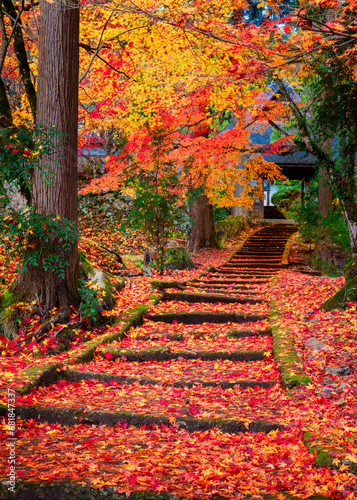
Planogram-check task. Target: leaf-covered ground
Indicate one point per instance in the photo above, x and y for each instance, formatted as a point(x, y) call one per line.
point(170, 459)
point(318, 419)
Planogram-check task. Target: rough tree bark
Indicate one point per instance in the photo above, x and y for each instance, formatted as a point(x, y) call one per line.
point(325, 196)
point(57, 108)
point(203, 233)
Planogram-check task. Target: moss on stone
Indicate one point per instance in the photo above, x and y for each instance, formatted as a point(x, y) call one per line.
point(347, 293)
point(155, 299)
point(286, 253)
point(289, 363)
point(162, 285)
point(8, 314)
point(178, 258)
point(98, 278)
point(87, 354)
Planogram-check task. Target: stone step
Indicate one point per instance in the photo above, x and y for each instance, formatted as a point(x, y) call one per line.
point(247, 281)
point(251, 248)
point(252, 272)
point(197, 317)
point(208, 298)
point(247, 332)
point(263, 246)
point(250, 260)
point(258, 253)
point(247, 272)
point(253, 256)
point(163, 353)
point(221, 288)
point(74, 416)
point(76, 376)
point(257, 266)
point(224, 282)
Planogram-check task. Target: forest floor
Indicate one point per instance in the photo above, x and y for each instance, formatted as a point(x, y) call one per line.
point(233, 384)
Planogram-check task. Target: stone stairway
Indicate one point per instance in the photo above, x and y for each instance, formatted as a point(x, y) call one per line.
point(201, 360)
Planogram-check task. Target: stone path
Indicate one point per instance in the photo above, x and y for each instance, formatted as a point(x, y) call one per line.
point(156, 376)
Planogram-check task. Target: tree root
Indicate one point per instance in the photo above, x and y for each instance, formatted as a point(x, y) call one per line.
point(60, 317)
point(117, 255)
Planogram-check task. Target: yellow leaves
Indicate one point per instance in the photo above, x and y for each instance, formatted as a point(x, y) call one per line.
point(343, 468)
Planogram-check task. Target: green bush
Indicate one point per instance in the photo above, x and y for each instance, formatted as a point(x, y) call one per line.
point(332, 228)
point(231, 226)
point(288, 201)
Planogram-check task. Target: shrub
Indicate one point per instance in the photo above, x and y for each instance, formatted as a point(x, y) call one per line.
point(231, 226)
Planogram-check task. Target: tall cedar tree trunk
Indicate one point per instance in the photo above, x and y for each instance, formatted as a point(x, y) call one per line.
point(203, 233)
point(57, 107)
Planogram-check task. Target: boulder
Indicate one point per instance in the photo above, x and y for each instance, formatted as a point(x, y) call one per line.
point(316, 345)
point(178, 258)
point(99, 280)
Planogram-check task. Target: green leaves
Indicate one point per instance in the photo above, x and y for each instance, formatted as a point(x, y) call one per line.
point(33, 238)
point(20, 153)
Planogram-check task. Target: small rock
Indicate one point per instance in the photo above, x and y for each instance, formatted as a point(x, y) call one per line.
point(147, 257)
point(327, 391)
point(146, 270)
point(342, 386)
point(329, 381)
point(317, 345)
point(344, 370)
point(340, 402)
point(330, 316)
point(332, 370)
point(341, 370)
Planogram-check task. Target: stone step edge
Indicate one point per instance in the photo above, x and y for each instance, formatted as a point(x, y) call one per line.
point(75, 416)
point(221, 281)
point(257, 265)
point(232, 333)
point(288, 361)
point(195, 318)
point(70, 490)
point(322, 455)
point(247, 281)
point(236, 291)
point(209, 298)
point(164, 354)
point(77, 375)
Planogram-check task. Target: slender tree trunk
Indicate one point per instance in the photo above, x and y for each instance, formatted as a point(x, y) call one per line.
point(21, 55)
point(203, 233)
point(57, 108)
point(325, 194)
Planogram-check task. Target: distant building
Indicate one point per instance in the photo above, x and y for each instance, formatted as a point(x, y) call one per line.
point(296, 166)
